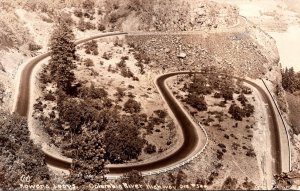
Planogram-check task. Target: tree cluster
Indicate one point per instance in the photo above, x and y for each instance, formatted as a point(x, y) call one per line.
point(290, 80)
point(122, 140)
point(239, 113)
point(62, 58)
point(91, 47)
point(88, 160)
point(196, 101)
point(19, 155)
point(132, 106)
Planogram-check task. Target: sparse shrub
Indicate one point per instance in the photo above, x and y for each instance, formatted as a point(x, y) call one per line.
point(248, 110)
point(133, 177)
point(221, 145)
point(246, 90)
point(132, 106)
point(101, 27)
point(88, 62)
point(91, 46)
point(109, 68)
point(161, 113)
point(113, 18)
point(248, 185)
point(107, 56)
point(196, 101)
point(236, 112)
point(242, 98)
point(93, 72)
point(121, 64)
point(88, 4)
point(230, 184)
point(227, 94)
point(118, 42)
point(134, 78)
point(217, 95)
point(149, 149)
point(34, 47)
point(124, 58)
point(78, 13)
point(126, 72)
point(92, 92)
point(120, 94)
point(250, 153)
point(81, 25)
point(38, 106)
point(90, 26)
point(50, 97)
point(96, 52)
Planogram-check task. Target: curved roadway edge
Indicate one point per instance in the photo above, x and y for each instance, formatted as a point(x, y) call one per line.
point(191, 146)
point(277, 147)
point(23, 100)
point(283, 132)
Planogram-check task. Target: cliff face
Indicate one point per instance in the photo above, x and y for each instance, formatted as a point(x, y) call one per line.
point(180, 15)
point(268, 48)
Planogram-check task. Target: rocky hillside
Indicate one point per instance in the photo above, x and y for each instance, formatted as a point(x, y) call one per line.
point(161, 15)
point(25, 28)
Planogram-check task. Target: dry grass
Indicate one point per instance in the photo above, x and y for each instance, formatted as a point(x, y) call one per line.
point(294, 110)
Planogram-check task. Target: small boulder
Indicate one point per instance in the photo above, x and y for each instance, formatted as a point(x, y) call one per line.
point(182, 55)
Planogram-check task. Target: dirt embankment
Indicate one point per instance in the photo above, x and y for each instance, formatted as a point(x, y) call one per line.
point(207, 49)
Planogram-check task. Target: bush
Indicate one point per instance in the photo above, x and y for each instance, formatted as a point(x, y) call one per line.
point(90, 26)
point(227, 94)
point(113, 18)
point(81, 25)
point(107, 56)
point(242, 98)
point(101, 27)
point(236, 112)
point(122, 140)
point(92, 92)
point(78, 13)
point(230, 184)
point(133, 177)
point(91, 46)
point(246, 90)
point(149, 149)
point(120, 94)
point(88, 4)
point(217, 95)
point(196, 101)
point(248, 110)
point(161, 113)
point(50, 97)
point(88, 62)
point(126, 72)
point(34, 47)
point(132, 106)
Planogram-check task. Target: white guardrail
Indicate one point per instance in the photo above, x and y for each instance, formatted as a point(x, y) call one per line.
point(283, 122)
point(183, 162)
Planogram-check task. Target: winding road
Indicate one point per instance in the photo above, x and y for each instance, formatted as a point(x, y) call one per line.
point(194, 137)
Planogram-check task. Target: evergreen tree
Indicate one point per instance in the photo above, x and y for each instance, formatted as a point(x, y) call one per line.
point(62, 48)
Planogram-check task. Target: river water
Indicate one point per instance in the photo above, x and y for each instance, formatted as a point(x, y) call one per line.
point(288, 44)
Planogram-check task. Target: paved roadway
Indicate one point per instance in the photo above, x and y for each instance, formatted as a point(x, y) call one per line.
point(192, 138)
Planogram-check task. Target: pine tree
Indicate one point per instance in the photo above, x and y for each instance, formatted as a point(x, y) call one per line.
point(62, 48)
